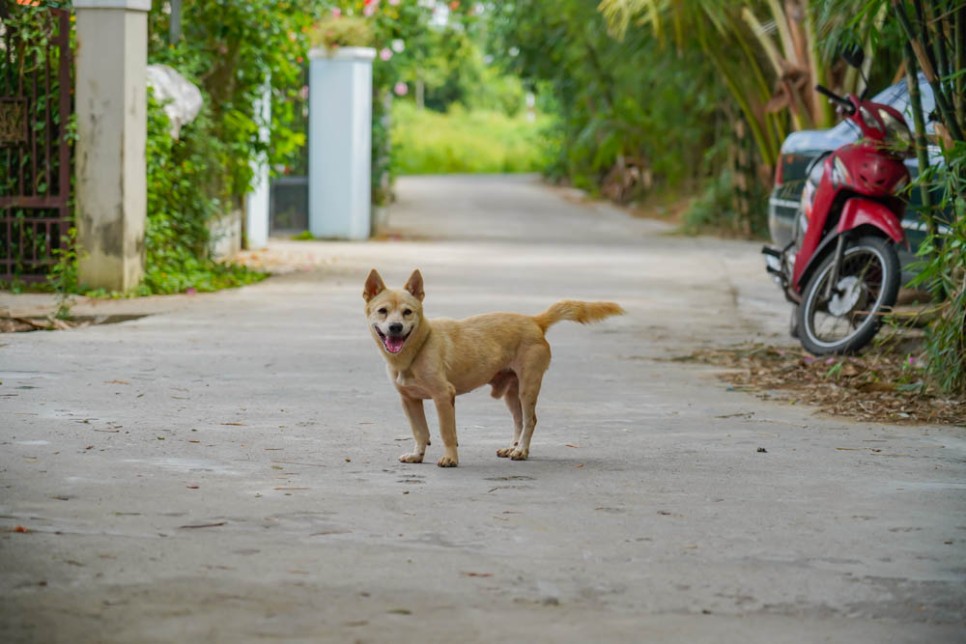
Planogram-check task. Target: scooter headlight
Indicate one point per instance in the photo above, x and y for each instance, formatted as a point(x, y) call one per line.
point(897, 132)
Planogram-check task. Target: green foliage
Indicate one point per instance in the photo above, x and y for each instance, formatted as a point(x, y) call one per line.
point(333, 32)
point(627, 109)
point(713, 209)
point(180, 204)
point(231, 48)
point(943, 269)
point(427, 142)
point(63, 276)
point(496, 91)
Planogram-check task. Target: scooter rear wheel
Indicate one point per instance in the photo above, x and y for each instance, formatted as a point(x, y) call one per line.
point(865, 289)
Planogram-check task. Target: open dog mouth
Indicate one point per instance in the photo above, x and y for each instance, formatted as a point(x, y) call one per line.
point(393, 343)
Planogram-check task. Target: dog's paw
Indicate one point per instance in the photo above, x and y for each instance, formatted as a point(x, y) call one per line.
point(519, 454)
point(411, 457)
point(447, 461)
point(504, 452)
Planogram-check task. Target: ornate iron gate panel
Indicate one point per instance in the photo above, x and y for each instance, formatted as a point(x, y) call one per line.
point(35, 158)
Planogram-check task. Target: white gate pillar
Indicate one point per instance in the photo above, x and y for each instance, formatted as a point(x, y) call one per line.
point(111, 107)
point(340, 142)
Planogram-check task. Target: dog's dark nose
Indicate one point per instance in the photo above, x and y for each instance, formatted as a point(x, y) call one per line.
point(395, 328)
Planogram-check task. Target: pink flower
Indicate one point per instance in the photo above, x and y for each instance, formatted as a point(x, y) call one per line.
point(401, 88)
point(336, 12)
point(385, 53)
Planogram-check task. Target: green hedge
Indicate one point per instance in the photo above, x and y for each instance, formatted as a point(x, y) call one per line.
point(428, 142)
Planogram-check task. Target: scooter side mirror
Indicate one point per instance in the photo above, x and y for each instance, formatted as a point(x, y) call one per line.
point(854, 56)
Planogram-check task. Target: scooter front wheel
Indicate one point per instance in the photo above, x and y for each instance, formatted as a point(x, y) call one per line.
point(845, 317)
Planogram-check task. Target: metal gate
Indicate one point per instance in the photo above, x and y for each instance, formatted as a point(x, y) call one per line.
point(35, 154)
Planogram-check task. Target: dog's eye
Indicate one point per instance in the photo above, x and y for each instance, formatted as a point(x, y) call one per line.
point(383, 311)
point(407, 313)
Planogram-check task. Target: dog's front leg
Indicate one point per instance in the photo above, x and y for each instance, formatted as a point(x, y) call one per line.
point(446, 409)
point(417, 421)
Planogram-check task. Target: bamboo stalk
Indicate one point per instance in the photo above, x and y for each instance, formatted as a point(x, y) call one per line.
point(771, 52)
point(919, 133)
point(784, 33)
point(800, 120)
point(959, 83)
point(765, 148)
point(822, 111)
point(923, 58)
point(936, 26)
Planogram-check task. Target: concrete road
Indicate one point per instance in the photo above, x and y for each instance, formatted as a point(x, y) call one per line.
point(226, 471)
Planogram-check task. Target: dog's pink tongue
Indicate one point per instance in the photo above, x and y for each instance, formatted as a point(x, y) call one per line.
point(394, 345)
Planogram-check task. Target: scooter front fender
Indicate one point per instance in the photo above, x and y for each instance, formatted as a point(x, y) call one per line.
point(865, 212)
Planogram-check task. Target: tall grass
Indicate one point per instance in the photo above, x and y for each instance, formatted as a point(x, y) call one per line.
point(460, 141)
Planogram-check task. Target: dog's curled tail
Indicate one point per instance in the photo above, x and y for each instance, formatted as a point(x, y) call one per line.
point(576, 311)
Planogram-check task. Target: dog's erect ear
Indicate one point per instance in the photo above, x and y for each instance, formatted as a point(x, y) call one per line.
point(415, 285)
point(374, 285)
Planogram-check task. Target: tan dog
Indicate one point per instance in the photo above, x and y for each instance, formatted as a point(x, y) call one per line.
point(440, 359)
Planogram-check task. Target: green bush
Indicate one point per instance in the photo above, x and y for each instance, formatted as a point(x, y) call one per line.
point(943, 270)
point(428, 142)
point(333, 32)
point(179, 207)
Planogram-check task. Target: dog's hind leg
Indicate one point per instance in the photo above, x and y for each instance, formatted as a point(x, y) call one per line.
point(511, 395)
point(530, 380)
point(417, 421)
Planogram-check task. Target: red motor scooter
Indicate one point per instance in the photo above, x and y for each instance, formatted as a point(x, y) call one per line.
point(841, 269)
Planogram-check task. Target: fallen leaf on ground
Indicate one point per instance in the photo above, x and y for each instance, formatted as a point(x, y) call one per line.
point(202, 525)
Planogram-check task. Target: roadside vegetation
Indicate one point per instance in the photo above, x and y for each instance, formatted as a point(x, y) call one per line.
point(460, 141)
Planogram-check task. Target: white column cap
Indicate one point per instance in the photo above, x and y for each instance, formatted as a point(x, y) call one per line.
point(127, 5)
point(342, 53)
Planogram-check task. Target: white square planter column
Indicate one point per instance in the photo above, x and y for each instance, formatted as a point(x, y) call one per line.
point(340, 142)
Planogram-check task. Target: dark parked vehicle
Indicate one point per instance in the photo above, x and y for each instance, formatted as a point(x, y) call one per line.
point(801, 151)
